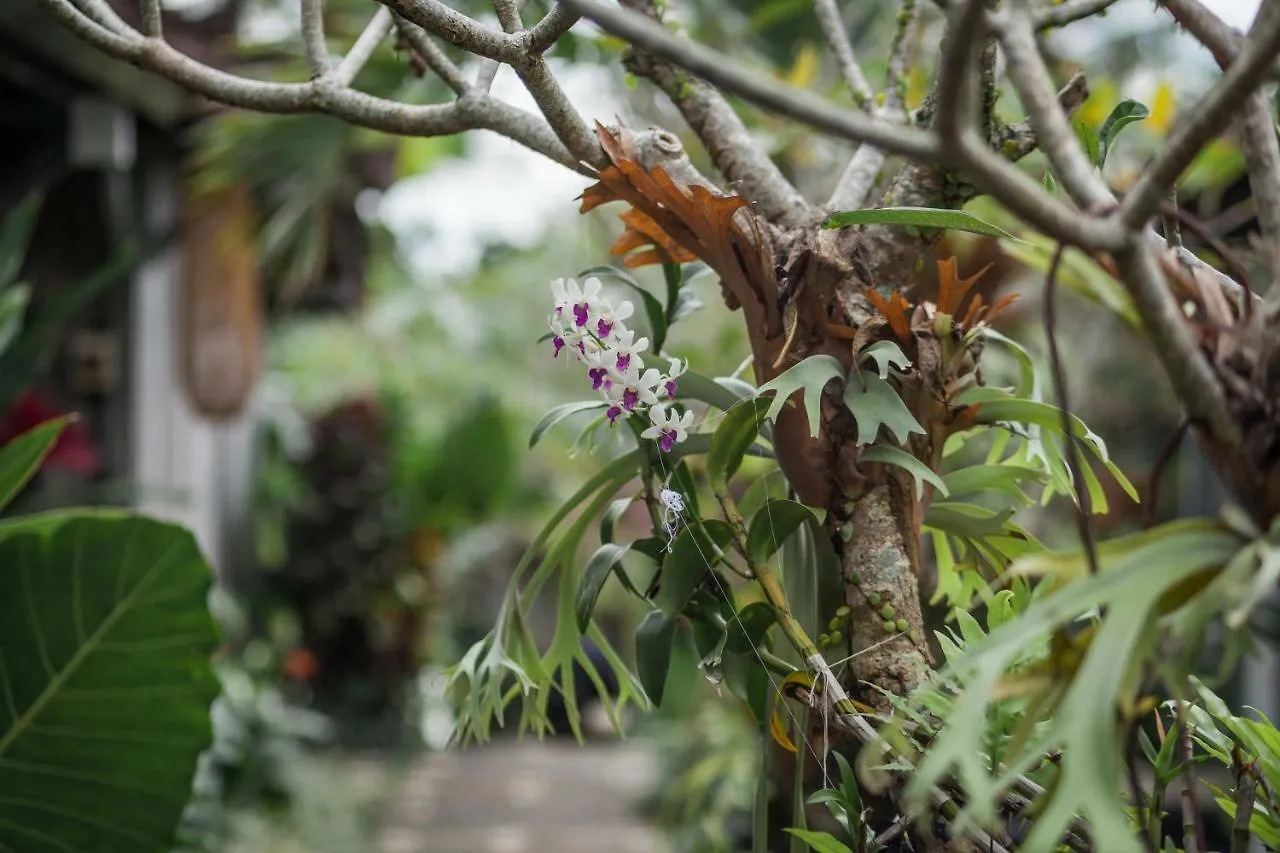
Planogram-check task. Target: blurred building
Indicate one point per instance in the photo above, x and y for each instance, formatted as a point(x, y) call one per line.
point(160, 360)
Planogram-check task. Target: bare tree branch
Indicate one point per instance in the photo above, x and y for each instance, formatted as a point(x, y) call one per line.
point(1257, 131)
point(375, 32)
point(1039, 97)
point(549, 30)
point(563, 117)
point(857, 180)
point(102, 14)
point(313, 38)
point(432, 55)
point(842, 48)
point(1189, 371)
point(990, 172)
point(324, 95)
point(1069, 12)
point(152, 24)
point(1206, 120)
point(457, 29)
point(739, 158)
point(1019, 140)
point(508, 15)
point(731, 76)
point(486, 75)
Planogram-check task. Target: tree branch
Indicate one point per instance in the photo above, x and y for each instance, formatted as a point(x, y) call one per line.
point(457, 29)
point(375, 32)
point(432, 55)
point(842, 48)
point(1068, 12)
point(563, 117)
point(1206, 120)
point(739, 158)
point(549, 30)
point(152, 23)
point(313, 38)
point(323, 95)
point(1030, 77)
point(1189, 371)
point(990, 172)
point(732, 77)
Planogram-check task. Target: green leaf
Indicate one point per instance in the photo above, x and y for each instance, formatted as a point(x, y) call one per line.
point(874, 404)
point(692, 554)
point(735, 434)
point(15, 235)
point(966, 520)
point(1050, 185)
point(13, 307)
point(105, 674)
point(609, 519)
point(773, 525)
point(885, 354)
point(822, 842)
point(747, 630)
point(1006, 477)
point(599, 567)
point(921, 473)
point(673, 275)
point(1088, 137)
point(918, 217)
point(654, 640)
point(1078, 272)
point(653, 308)
point(22, 457)
point(812, 375)
point(1084, 724)
point(1122, 115)
point(719, 392)
point(559, 413)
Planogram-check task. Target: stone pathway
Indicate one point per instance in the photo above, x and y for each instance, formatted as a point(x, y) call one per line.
point(508, 797)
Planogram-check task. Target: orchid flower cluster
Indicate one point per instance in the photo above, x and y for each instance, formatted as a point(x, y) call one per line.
point(592, 328)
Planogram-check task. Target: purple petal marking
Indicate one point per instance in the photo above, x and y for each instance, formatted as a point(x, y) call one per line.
point(613, 413)
point(559, 342)
point(623, 362)
point(629, 399)
point(580, 314)
point(667, 441)
point(604, 328)
point(597, 375)
point(671, 388)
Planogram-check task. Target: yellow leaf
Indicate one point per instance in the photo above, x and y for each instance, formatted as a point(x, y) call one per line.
point(1102, 98)
point(778, 729)
point(1163, 107)
point(805, 68)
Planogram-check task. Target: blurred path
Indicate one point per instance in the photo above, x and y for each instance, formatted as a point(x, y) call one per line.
point(508, 797)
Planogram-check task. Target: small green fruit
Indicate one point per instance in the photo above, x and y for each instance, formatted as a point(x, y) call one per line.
point(888, 627)
point(902, 625)
point(874, 599)
point(887, 612)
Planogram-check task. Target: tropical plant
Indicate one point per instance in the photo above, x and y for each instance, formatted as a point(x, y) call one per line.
point(105, 637)
point(871, 404)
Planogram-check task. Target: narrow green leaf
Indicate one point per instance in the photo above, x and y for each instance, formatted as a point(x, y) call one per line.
point(559, 413)
point(921, 473)
point(654, 640)
point(966, 520)
point(1088, 137)
point(610, 518)
point(692, 554)
point(673, 275)
point(1007, 478)
point(735, 434)
point(1050, 185)
point(653, 308)
point(15, 235)
point(598, 569)
point(812, 375)
point(22, 457)
point(821, 842)
point(105, 682)
point(1122, 115)
point(919, 217)
point(686, 303)
point(719, 392)
point(874, 404)
point(13, 308)
point(773, 525)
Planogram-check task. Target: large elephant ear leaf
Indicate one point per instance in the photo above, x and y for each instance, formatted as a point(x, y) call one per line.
point(810, 376)
point(105, 681)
